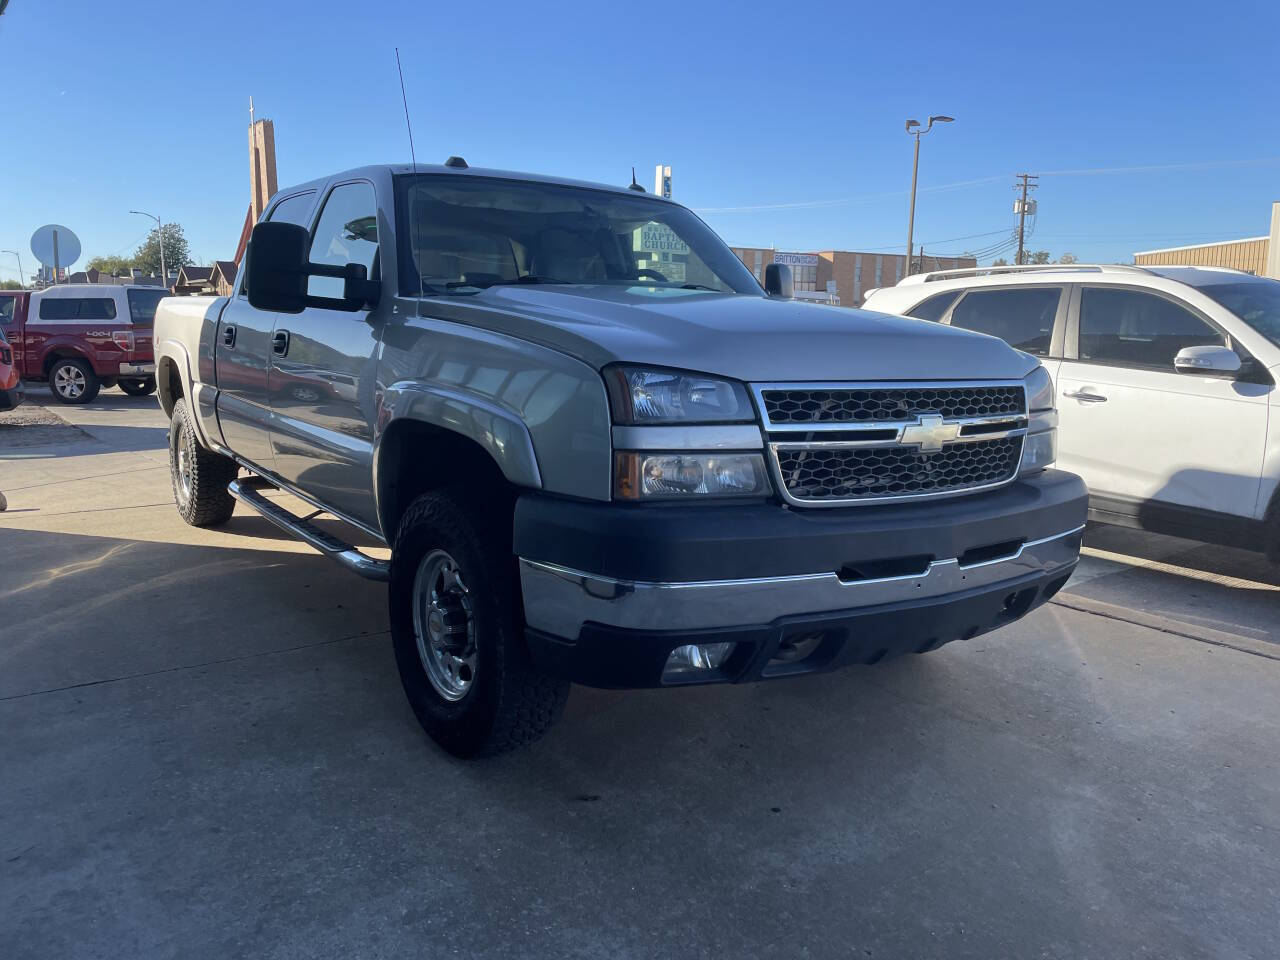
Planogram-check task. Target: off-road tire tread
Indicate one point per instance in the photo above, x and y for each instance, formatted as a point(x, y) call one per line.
point(528, 701)
point(210, 503)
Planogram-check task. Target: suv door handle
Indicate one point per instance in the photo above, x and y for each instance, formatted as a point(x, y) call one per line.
point(1084, 395)
point(280, 342)
point(229, 335)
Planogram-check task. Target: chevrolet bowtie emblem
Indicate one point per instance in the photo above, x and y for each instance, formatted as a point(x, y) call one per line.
point(929, 433)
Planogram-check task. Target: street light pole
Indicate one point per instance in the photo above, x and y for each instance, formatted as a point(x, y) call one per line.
point(913, 128)
point(164, 274)
point(21, 279)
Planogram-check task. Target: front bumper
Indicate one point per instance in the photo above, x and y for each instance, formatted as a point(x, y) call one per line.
point(12, 399)
point(867, 583)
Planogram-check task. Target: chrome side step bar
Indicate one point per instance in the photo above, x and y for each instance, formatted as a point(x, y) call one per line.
point(247, 491)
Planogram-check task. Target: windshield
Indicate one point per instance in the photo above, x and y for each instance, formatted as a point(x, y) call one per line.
point(143, 303)
point(467, 233)
point(1256, 302)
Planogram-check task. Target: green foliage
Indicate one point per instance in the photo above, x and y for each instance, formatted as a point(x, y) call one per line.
point(10, 285)
point(176, 251)
point(1068, 258)
point(1002, 262)
point(113, 265)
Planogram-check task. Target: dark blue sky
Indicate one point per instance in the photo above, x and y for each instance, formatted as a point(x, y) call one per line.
point(790, 114)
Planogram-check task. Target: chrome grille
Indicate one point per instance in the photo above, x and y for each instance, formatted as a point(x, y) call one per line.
point(833, 444)
point(815, 473)
point(873, 404)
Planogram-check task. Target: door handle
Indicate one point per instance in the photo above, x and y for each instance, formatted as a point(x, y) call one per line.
point(1084, 395)
point(229, 335)
point(280, 342)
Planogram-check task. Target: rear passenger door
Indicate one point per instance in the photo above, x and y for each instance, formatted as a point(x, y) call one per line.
point(1137, 430)
point(243, 353)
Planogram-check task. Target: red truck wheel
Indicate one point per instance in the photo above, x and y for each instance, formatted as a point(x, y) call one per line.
point(73, 381)
point(138, 388)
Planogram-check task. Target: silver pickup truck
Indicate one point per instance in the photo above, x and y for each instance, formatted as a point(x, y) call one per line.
point(599, 451)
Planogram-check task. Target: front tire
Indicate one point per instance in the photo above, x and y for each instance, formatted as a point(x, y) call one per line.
point(457, 630)
point(73, 381)
point(199, 476)
point(138, 388)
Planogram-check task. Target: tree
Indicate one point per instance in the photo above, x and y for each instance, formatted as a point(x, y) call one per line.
point(113, 266)
point(176, 251)
point(10, 285)
point(1037, 258)
point(1068, 258)
point(1002, 262)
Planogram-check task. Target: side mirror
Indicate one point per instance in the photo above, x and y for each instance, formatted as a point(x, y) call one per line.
point(1208, 361)
point(777, 281)
point(276, 267)
point(277, 272)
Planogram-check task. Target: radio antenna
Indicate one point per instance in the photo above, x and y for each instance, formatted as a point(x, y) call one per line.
point(414, 158)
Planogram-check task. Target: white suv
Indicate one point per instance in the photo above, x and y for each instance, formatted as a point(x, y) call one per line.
point(1166, 383)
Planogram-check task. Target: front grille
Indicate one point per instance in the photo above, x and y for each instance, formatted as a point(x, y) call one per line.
point(881, 404)
point(818, 474)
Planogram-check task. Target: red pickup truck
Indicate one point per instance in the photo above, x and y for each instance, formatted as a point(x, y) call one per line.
point(82, 337)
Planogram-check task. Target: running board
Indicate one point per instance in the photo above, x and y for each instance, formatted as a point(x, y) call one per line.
point(247, 492)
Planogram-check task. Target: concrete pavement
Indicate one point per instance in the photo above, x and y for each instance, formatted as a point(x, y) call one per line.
point(206, 753)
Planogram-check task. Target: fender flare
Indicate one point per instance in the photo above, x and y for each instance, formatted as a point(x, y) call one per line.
point(174, 352)
point(496, 430)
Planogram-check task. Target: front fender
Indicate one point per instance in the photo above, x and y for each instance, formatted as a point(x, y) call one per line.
point(498, 431)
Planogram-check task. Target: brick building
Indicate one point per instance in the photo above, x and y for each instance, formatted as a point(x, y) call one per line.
point(841, 276)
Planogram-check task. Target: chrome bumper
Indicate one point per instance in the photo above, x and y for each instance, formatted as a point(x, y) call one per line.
point(137, 369)
point(559, 601)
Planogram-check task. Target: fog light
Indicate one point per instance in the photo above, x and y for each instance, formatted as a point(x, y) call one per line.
point(695, 661)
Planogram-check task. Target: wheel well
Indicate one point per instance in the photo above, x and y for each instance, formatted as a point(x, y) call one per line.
point(62, 353)
point(168, 385)
point(415, 458)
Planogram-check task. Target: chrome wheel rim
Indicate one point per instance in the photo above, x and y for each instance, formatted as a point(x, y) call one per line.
point(444, 626)
point(69, 381)
point(184, 465)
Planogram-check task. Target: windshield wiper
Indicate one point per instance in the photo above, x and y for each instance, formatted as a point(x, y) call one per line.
point(698, 286)
point(531, 278)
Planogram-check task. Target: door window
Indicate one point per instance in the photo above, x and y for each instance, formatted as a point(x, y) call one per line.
point(7, 307)
point(935, 307)
point(347, 233)
point(1137, 329)
point(293, 209)
point(1021, 316)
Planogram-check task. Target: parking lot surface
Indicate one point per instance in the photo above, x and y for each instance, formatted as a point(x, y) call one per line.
point(206, 752)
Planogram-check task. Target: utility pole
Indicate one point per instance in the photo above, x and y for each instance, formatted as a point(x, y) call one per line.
point(1021, 205)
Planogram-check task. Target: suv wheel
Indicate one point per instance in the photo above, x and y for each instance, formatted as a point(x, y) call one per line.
point(456, 625)
point(199, 476)
point(139, 388)
point(73, 381)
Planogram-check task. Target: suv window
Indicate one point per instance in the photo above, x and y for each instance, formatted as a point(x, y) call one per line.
point(7, 307)
point(1138, 329)
point(1020, 316)
point(347, 233)
point(77, 308)
point(935, 307)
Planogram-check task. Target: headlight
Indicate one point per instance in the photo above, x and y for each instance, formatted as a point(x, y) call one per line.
point(1040, 446)
point(681, 476)
point(1039, 390)
point(641, 395)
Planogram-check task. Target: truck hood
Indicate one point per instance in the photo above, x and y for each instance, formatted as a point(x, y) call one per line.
point(743, 337)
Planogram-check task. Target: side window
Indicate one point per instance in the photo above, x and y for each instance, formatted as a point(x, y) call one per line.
point(935, 307)
point(97, 308)
point(7, 306)
point(59, 308)
point(295, 209)
point(1138, 329)
point(1020, 316)
point(347, 233)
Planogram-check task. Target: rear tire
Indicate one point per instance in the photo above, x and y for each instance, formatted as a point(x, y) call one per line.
point(199, 476)
point(457, 629)
point(73, 381)
point(138, 388)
